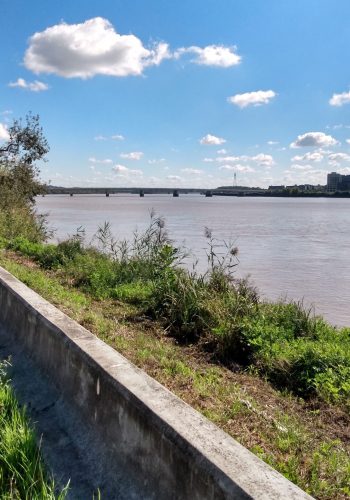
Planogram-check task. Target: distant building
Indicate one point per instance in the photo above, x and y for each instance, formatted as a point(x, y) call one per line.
point(338, 182)
point(276, 188)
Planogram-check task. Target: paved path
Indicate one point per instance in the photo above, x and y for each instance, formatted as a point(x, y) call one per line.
point(69, 448)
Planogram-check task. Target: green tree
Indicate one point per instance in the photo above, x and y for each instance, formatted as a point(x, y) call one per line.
point(19, 178)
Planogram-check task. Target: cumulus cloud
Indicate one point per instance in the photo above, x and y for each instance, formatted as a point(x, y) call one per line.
point(336, 158)
point(212, 55)
point(260, 159)
point(4, 135)
point(100, 138)
point(347, 141)
point(120, 168)
point(229, 159)
point(237, 168)
point(309, 156)
point(94, 47)
point(263, 160)
point(134, 155)
point(212, 140)
point(90, 48)
point(252, 98)
point(313, 139)
point(305, 176)
point(340, 99)
point(106, 161)
point(191, 171)
point(222, 152)
point(118, 137)
point(124, 171)
point(35, 86)
point(272, 143)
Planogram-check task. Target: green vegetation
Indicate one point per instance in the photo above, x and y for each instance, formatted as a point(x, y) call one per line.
point(273, 375)
point(22, 474)
point(19, 182)
point(305, 439)
point(283, 341)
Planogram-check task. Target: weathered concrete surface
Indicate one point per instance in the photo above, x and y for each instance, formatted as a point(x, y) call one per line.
point(132, 428)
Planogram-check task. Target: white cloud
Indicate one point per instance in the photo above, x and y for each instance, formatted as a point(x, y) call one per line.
point(336, 158)
point(106, 161)
point(309, 156)
point(222, 152)
point(100, 138)
point(192, 171)
point(88, 49)
point(118, 137)
point(208, 160)
point(340, 99)
point(313, 139)
point(35, 86)
point(347, 141)
point(272, 143)
point(263, 160)
point(134, 155)
point(155, 161)
point(212, 140)
point(228, 159)
point(237, 168)
point(301, 167)
point(211, 55)
point(252, 98)
point(344, 171)
point(121, 170)
point(4, 135)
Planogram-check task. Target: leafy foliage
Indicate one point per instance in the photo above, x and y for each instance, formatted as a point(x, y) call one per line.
point(19, 180)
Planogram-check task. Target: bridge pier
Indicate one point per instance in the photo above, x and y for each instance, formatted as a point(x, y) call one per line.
point(175, 193)
point(142, 193)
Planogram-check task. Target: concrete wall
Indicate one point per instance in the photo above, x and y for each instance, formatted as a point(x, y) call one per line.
point(172, 450)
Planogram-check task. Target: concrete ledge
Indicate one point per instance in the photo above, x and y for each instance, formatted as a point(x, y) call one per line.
point(169, 448)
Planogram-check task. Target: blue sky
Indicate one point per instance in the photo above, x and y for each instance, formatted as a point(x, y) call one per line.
point(186, 93)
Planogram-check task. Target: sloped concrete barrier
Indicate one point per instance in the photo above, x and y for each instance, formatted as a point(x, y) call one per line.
point(172, 451)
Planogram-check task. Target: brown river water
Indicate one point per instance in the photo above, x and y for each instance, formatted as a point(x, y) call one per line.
point(292, 248)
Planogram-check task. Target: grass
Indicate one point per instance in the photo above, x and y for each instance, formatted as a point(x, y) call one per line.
point(306, 439)
point(22, 473)
point(282, 341)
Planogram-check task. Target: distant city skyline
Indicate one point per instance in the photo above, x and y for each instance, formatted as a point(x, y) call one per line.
point(183, 94)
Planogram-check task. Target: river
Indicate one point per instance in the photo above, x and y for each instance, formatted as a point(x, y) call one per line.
point(295, 248)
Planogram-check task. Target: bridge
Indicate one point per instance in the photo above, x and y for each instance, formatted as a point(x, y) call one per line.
point(142, 191)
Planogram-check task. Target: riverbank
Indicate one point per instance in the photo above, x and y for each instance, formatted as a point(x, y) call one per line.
point(307, 439)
